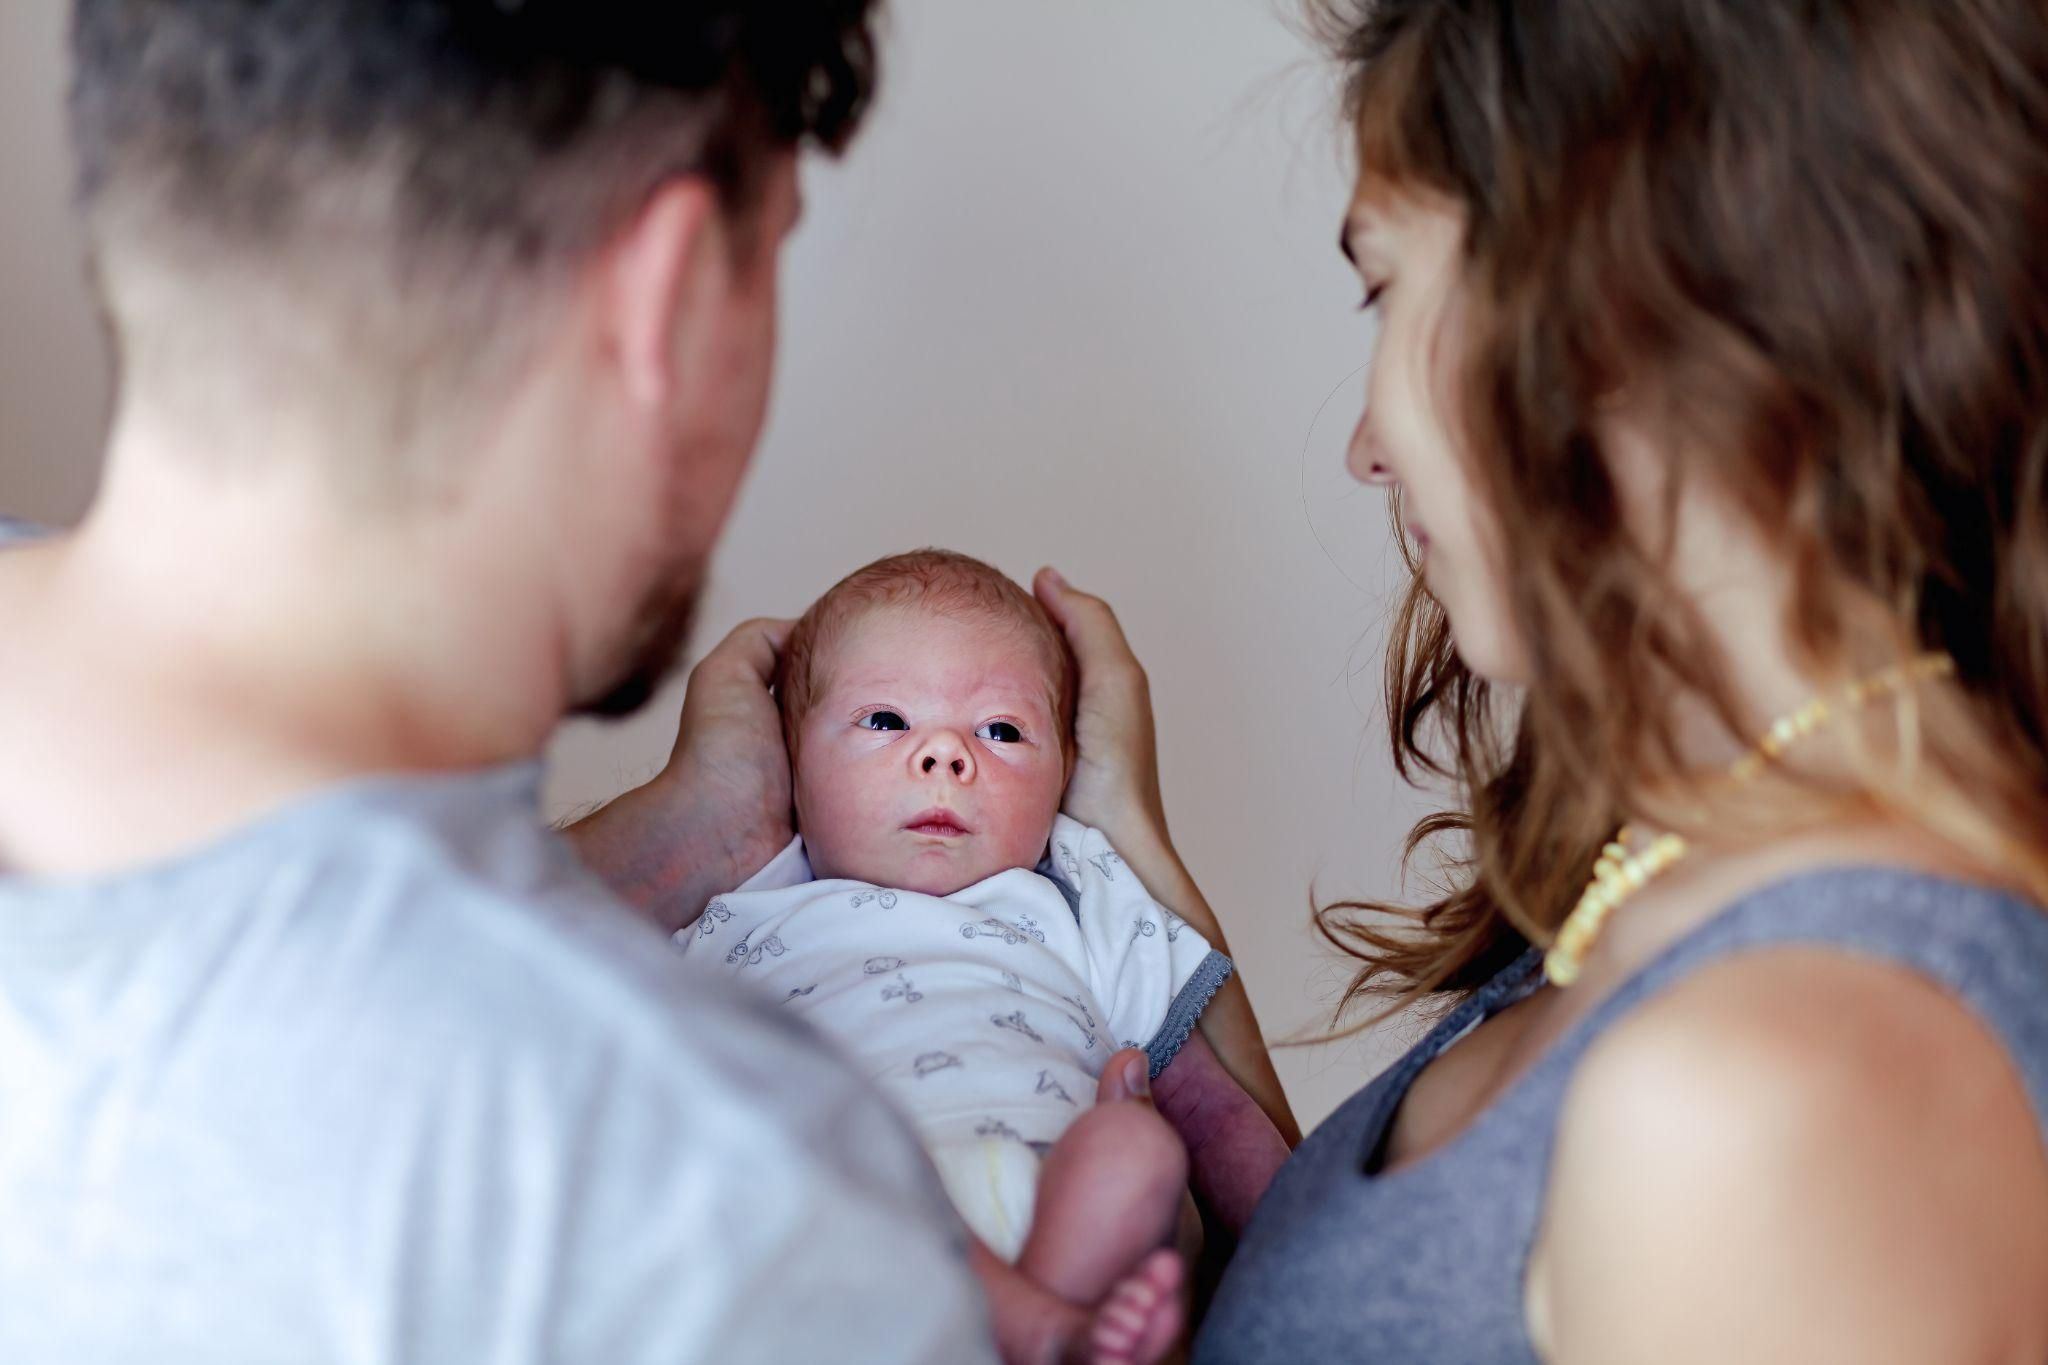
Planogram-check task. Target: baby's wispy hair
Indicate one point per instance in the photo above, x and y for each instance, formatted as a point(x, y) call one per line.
point(938, 580)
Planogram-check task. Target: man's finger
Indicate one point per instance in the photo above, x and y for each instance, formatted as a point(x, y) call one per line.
point(772, 631)
point(753, 646)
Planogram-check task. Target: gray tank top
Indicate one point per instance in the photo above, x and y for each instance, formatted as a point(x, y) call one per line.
point(1426, 1263)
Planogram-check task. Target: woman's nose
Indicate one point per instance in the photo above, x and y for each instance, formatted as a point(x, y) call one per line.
point(1363, 457)
point(944, 751)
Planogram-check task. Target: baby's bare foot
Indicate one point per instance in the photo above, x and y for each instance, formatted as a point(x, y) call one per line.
point(1138, 1321)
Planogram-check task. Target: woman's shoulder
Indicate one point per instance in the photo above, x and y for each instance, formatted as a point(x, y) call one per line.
point(1835, 996)
point(1834, 1139)
point(1871, 933)
point(1799, 1031)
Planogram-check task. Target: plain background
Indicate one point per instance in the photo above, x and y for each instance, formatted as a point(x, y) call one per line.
point(1074, 297)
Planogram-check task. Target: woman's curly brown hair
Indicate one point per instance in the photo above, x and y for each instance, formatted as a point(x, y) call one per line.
point(1810, 240)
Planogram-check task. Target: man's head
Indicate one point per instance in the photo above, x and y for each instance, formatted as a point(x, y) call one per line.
point(928, 702)
point(520, 252)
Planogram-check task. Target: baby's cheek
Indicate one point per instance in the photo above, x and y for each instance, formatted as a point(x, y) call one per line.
point(822, 806)
point(1028, 817)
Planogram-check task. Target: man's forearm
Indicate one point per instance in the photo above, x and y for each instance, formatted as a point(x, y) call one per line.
point(658, 859)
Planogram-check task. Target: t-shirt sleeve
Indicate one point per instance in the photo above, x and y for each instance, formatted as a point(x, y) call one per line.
point(790, 1217)
point(1151, 971)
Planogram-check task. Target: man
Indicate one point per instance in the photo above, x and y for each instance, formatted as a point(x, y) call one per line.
point(444, 330)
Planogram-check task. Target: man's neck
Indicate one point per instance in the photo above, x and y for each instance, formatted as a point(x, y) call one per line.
point(214, 642)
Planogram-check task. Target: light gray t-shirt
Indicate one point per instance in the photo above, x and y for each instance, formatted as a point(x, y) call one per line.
point(387, 1076)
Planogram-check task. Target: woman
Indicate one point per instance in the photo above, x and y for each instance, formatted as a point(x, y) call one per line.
point(1712, 390)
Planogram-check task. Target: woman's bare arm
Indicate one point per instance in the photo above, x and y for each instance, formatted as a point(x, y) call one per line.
point(1795, 1156)
point(1115, 788)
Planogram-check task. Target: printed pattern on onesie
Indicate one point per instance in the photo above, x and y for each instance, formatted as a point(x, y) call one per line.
point(986, 1013)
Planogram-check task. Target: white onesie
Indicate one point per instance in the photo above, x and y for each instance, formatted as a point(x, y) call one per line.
point(987, 1015)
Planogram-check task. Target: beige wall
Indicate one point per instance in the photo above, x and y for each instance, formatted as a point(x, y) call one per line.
point(53, 368)
point(1074, 297)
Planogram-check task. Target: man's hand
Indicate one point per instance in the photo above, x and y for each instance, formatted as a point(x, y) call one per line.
point(729, 753)
point(720, 809)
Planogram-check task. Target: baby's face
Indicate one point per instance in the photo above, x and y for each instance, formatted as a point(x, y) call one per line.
point(931, 758)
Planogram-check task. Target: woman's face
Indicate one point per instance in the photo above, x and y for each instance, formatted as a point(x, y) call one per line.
point(1406, 253)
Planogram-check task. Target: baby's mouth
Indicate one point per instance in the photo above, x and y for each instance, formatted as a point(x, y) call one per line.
point(938, 824)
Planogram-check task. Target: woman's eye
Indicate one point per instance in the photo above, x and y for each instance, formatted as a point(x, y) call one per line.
point(882, 720)
point(1001, 731)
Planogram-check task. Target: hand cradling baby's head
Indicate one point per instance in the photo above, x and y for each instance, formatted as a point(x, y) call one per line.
point(928, 703)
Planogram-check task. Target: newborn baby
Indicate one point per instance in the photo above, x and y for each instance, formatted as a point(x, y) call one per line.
point(980, 954)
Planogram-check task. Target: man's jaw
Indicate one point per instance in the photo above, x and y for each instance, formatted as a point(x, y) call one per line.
point(654, 646)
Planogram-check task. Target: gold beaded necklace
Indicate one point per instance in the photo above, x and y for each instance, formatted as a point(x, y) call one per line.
point(1619, 872)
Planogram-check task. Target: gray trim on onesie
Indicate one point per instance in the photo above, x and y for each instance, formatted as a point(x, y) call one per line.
point(1186, 1010)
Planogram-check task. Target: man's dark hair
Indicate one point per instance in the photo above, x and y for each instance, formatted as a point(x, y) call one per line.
point(223, 110)
point(396, 181)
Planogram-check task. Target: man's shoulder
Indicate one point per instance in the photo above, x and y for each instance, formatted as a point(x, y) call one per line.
point(405, 997)
point(458, 941)
point(439, 924)
point(463, 903)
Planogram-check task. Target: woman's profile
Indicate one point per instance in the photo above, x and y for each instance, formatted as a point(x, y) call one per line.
point(1711, 394)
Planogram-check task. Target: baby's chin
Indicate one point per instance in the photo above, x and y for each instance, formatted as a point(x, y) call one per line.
point(928, 885)
point(934, 871)
point(929, 876)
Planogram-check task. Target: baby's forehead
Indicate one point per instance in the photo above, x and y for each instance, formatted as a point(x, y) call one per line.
point(909, 644)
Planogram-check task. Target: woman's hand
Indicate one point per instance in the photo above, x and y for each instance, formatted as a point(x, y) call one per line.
point(720, 809)
point(1115, 786)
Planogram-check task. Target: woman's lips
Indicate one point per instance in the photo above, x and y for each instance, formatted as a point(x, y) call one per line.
point(938, 824)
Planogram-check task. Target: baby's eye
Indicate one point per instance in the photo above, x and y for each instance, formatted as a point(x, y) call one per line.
point(1001, 731)
point(882, 720)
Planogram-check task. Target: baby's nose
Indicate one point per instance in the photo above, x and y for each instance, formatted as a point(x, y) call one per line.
point(946, 749)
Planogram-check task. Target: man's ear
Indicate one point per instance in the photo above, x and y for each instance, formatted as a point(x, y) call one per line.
point(655, 268)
